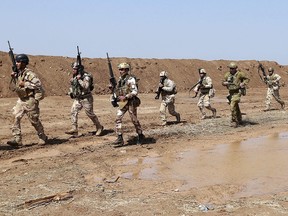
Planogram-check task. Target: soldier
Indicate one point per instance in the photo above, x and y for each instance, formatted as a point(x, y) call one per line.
point(273, 82)
point(30, 92)
point(126, 91)
point(168, 91)
point(80, 91)
point(206, 92)
point(235, 81)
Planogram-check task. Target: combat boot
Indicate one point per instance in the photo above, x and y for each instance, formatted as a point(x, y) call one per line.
point(178, 119)
point(42, 139)
point(119, 141)
point(15, 142)
point(140, 139)
point(99, 131)
point(164, 123)
point(214, 111)
point(73, 131)
point(234, 124)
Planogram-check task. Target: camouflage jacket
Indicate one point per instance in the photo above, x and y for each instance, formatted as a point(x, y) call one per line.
point(32, 84)
point(206, 85)
point(127, 87)
point(273, 81)
point(235, 80)
point(81, 88)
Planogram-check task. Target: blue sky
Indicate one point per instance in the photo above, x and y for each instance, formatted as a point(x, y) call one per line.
point(173, 29)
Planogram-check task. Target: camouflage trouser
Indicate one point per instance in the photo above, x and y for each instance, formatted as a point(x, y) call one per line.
point(270, 94)
point(171, 109)
point(132, 110)
point(87, 104)
point(203, 101)
point(236, 115)
point(30, 107)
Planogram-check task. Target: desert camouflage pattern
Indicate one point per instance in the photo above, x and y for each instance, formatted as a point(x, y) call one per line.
point(168, 100)
point(273, 83)
point(127, 87)
point(27, 104)
point(82, 99)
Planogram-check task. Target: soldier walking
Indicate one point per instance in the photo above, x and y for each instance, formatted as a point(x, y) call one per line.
point(81, 91)
point(206, 92)
point(29, 90)
point(168, 91)
point(235, 81)
point(273, 82)
point(126, 92)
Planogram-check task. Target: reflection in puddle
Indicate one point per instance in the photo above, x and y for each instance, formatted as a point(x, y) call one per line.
point(259, 164)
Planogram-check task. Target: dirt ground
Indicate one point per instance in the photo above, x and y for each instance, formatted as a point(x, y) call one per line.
point(196, 167)
point(193, 168)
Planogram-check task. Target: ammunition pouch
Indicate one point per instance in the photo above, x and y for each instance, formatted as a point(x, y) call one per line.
point(136, 101)
point(113, 100)
point(242, 91)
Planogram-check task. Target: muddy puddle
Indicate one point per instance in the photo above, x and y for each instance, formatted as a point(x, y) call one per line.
point(258, 165)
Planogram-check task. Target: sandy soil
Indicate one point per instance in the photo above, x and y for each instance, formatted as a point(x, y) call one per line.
point(197, 167)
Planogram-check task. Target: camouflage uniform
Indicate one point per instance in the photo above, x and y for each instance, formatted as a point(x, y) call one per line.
point(28, 104)
point(168, 101)
point(273, 90)
point(235, 92)
point(204, 98)
point(80, 91)
point(127, 87)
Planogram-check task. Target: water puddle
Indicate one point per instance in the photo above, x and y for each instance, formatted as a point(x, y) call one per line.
point(260, 165)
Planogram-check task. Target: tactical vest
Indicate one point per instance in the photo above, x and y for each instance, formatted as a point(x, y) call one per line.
point(123, 87)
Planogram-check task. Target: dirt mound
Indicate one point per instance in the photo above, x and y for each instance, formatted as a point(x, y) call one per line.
point(55, 72)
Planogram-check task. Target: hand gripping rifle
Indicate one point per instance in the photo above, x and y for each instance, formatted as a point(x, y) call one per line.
point(113, 83)
point(159, 90)
point(198, 84)
point(264, 78)
point(14, 66)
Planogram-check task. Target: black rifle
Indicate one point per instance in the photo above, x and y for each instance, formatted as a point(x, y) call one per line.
point(199, 83)
point(159, 90)
point(264, 78)
point(113, 83)
point(80, 67)
point(75, 83)
point(14, 66)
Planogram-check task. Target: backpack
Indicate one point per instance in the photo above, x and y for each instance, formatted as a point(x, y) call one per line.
point(91, 84)
point(136, 80)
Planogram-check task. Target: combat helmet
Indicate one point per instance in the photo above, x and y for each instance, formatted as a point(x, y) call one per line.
point(75, 65)
point(202, 71)
point(270, 69)
point(163, 74)
point(123, 65)
point(22, 58)
point(232, 65)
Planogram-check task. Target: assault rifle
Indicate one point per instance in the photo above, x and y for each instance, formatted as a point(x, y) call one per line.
point(113, 83)
point(198, 85)
point(264, 78)
point(159, 90)
point(14, 66)
point(80, 67)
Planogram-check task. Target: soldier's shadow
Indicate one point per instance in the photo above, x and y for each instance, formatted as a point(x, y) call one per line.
point(146, 141)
